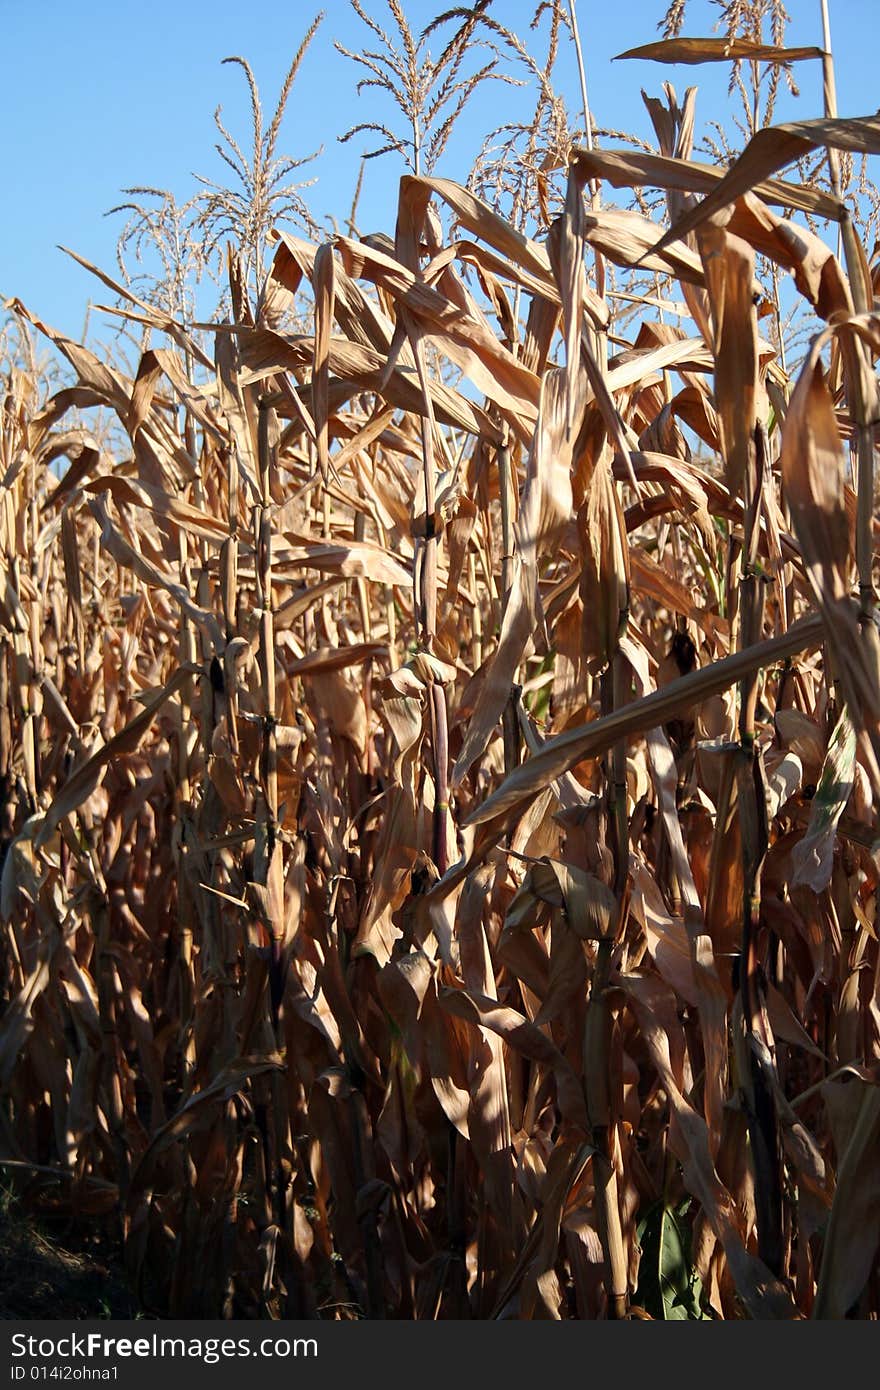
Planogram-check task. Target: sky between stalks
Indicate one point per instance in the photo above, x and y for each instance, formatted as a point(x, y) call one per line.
point(99, 96)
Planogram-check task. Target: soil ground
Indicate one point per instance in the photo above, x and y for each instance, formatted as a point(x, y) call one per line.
point(49, 1269)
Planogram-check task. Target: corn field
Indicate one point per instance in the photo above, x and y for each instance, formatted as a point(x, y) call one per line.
point(440, 747)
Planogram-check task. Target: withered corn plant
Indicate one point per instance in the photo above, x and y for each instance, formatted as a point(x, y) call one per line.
point(440, 753)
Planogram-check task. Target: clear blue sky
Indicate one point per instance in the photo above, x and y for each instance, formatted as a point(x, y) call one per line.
point(98, 95)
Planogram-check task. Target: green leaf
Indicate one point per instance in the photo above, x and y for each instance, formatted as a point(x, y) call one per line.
point(669, 1287)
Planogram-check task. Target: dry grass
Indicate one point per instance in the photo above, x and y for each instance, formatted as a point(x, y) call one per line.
point(439, 807)
point(57, 1273)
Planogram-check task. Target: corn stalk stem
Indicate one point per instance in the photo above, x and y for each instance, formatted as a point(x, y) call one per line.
point(425, 600)
point(599, 1026)
point(105, 979)
point(268, 865)
point(860, 384)
point(506, 486)
point(597, 1070)
point(595, 198)
point(268, 812)
point(760, 1101)
point(582, 73)
point(861, 393)
point(186, 914)
point(829, 94)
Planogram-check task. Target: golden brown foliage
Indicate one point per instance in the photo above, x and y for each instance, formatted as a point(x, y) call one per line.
point(439, 806)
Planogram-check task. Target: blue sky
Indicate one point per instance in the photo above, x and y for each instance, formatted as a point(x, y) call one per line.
point(97, 95)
